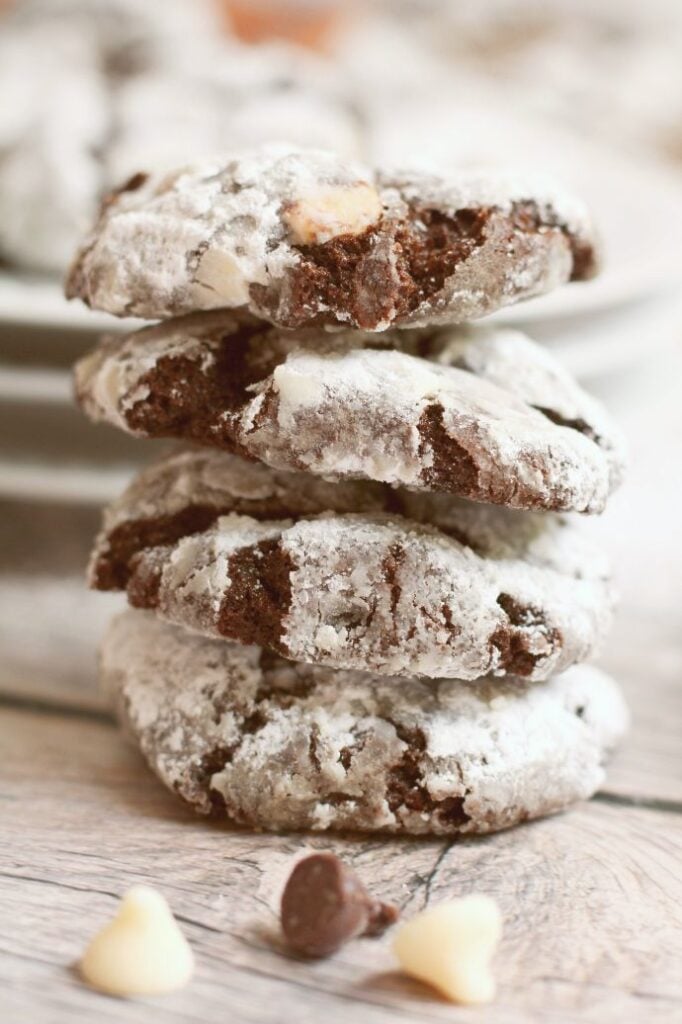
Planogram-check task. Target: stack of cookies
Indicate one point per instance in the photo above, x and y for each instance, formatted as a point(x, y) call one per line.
point(359, 602)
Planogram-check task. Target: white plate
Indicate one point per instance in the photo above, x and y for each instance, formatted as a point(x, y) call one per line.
point(39, 302)
point(614, 289)
point(599, 346)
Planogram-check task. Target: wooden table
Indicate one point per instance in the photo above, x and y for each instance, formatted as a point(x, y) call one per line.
point(591, 898)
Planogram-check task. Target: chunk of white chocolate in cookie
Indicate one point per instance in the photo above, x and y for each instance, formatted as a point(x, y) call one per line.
point(142, 952)
point(218, 275)
point(451, 946)
point(331, 211)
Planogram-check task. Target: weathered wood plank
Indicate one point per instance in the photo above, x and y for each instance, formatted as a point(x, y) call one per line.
point(49, 621)
point(591, 900)
point(644, 653)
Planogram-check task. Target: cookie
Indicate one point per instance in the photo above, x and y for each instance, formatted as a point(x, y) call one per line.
point(301, 237)
point(161, 116)
point(233, 95)
point(50, 182)
point(359, 577)
point(277, 745)
point(482, 413)
point(187, 492)
point(124, 36)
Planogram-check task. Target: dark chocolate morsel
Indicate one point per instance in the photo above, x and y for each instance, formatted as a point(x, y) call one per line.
point(324, 905)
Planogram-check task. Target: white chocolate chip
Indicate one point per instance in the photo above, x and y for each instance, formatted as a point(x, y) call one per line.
point(218, 280)
point(450, 947)
point(331, 211)
point(142, 952)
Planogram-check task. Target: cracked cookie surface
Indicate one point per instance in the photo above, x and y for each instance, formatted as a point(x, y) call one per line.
point(274, 744)
point(483, 413)
point(301, 237)
point(355, 575)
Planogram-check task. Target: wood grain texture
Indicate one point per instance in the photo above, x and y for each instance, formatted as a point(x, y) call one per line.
point(644, 653)
point(592, 900)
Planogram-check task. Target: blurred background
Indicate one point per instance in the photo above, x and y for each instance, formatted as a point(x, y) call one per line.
point(92, 91)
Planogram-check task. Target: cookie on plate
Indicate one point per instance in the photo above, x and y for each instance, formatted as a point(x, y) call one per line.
point(278, 745)
point(482, 413)
point(362, 577)
point(53, 122)
point(301, 237)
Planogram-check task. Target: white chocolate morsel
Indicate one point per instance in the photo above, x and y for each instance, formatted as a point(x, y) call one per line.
point(331, 211)
point(142, 952)
point(219, 275)
point(451, 946)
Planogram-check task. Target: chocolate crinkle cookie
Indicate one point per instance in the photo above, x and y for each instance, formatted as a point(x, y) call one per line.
point(278, 745)
point(359, 602)
point(479, 412)
point(302, 237)
point(355, 576)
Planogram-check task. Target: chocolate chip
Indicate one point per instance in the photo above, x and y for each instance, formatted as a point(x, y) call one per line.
point(324, 905)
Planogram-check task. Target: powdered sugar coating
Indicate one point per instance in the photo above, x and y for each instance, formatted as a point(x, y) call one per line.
point(156, 248)
point(519, 594)
point(278, 745)
point(216, 235)
point(472, 411)
point(168, 489)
